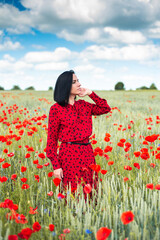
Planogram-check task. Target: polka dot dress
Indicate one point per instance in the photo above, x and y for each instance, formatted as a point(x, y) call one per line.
point(73, 123)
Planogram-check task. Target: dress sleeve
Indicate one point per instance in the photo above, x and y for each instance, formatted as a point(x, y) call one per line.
point(52, 137)
point(101, 106)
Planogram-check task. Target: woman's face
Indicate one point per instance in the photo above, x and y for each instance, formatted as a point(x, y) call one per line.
point(75, 85)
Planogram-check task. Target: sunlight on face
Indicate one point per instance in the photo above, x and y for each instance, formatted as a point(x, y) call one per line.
point(75, 85)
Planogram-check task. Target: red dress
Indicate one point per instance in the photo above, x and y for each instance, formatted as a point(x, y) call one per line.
point(73, 123)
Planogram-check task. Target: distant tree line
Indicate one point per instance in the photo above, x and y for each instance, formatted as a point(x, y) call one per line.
point(118, 86)
point(16, 87)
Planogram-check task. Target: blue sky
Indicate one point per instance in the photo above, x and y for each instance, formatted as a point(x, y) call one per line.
point(104, 42)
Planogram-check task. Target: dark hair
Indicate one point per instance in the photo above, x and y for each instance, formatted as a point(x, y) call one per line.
point(63, 88)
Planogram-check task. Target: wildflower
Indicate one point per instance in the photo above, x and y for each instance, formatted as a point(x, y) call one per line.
point(103, 233)
point(127, 217)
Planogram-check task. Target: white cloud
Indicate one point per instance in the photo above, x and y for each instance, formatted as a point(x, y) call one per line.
point(51, 66)
point(59, 54)
point(9, 45)
point(130, 52)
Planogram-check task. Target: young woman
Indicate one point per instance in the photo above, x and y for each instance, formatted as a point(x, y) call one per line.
point(70, 122)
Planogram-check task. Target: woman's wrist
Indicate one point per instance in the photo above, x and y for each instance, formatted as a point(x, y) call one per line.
point(89, 92)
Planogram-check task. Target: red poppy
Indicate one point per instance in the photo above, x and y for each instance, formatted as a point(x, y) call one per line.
point(27, 155)
point(157, 156)
point(125, 179)
point(93, 141)
point(136, 165)
point(137, 154)
point(14, 176)
point(35, 161)
point(24, 179)
point(122, 140)
point(152, 165)
point(87, 188)
point(39, 166)
point(50, 193)
point(106, 139)
point(3, 179)
point(103, 171)
point(95, 167)
point(127, 144)
point(127, 168)
point(145, 155)
point(108, 149)
point(66, 230)
point(36, 227)
point(110, 163)
point(127, 217)
point(12, 237)
point(25, 233)
point(60, 195)
point(6, 165)
point(20, 218)
point(51, 227)
point(41, 155)
point(50, 174)
point(152, 138)
point(33, 211)
point(150, 186)
point(120, 144)
point(56, 181)
point(23, 169)
point(25, 186)
point(157, 187)
point(103, 233)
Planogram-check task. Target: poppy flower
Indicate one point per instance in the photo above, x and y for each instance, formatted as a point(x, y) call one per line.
point(36, 227)
point(56, 181)
point(66, 230)
point(25, 186)
point(3, 179)
point(127, 217)
point(120, 144)
point(50, 174)
point(27, 155)
point(106, 139)
point(93, 141)
point(6, 165)
point(50, 193)
point(136, 165)
point(157, 187)
point(103, 233)
point(35, 161)
point(103, 171)
point(14, 176)
point(110, 163)
point(60, 195)
point(152, 165)
point(33, 211)
point(127, 168)
point(23, 169)
point(87, 188)
point(25, 233)
point(95, 167)
point(125, 179)
point(150, 186)
point(41, 155)
point(122, 140)
point(24, 179)
point(137, 154)
point(108, 149)
point(12, 237)
point(51, 227)
point(39, 166)
point(145, 155)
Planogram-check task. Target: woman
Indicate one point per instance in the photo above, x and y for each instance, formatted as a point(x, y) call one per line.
point(70, 122)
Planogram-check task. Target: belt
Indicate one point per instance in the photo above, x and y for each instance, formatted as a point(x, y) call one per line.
point(78, 143)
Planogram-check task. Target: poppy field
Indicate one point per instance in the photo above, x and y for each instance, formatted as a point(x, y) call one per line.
point(126, 144)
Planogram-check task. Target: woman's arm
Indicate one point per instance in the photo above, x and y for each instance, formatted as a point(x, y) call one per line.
point(101, 106)
point(52, 137)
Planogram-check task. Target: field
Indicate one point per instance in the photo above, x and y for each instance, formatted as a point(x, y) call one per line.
point(126, 143)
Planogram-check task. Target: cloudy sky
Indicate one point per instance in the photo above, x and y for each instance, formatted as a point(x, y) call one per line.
point(104, 41)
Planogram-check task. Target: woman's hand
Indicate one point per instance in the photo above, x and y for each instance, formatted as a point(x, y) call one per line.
point(84, 92)
point(58, 173)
